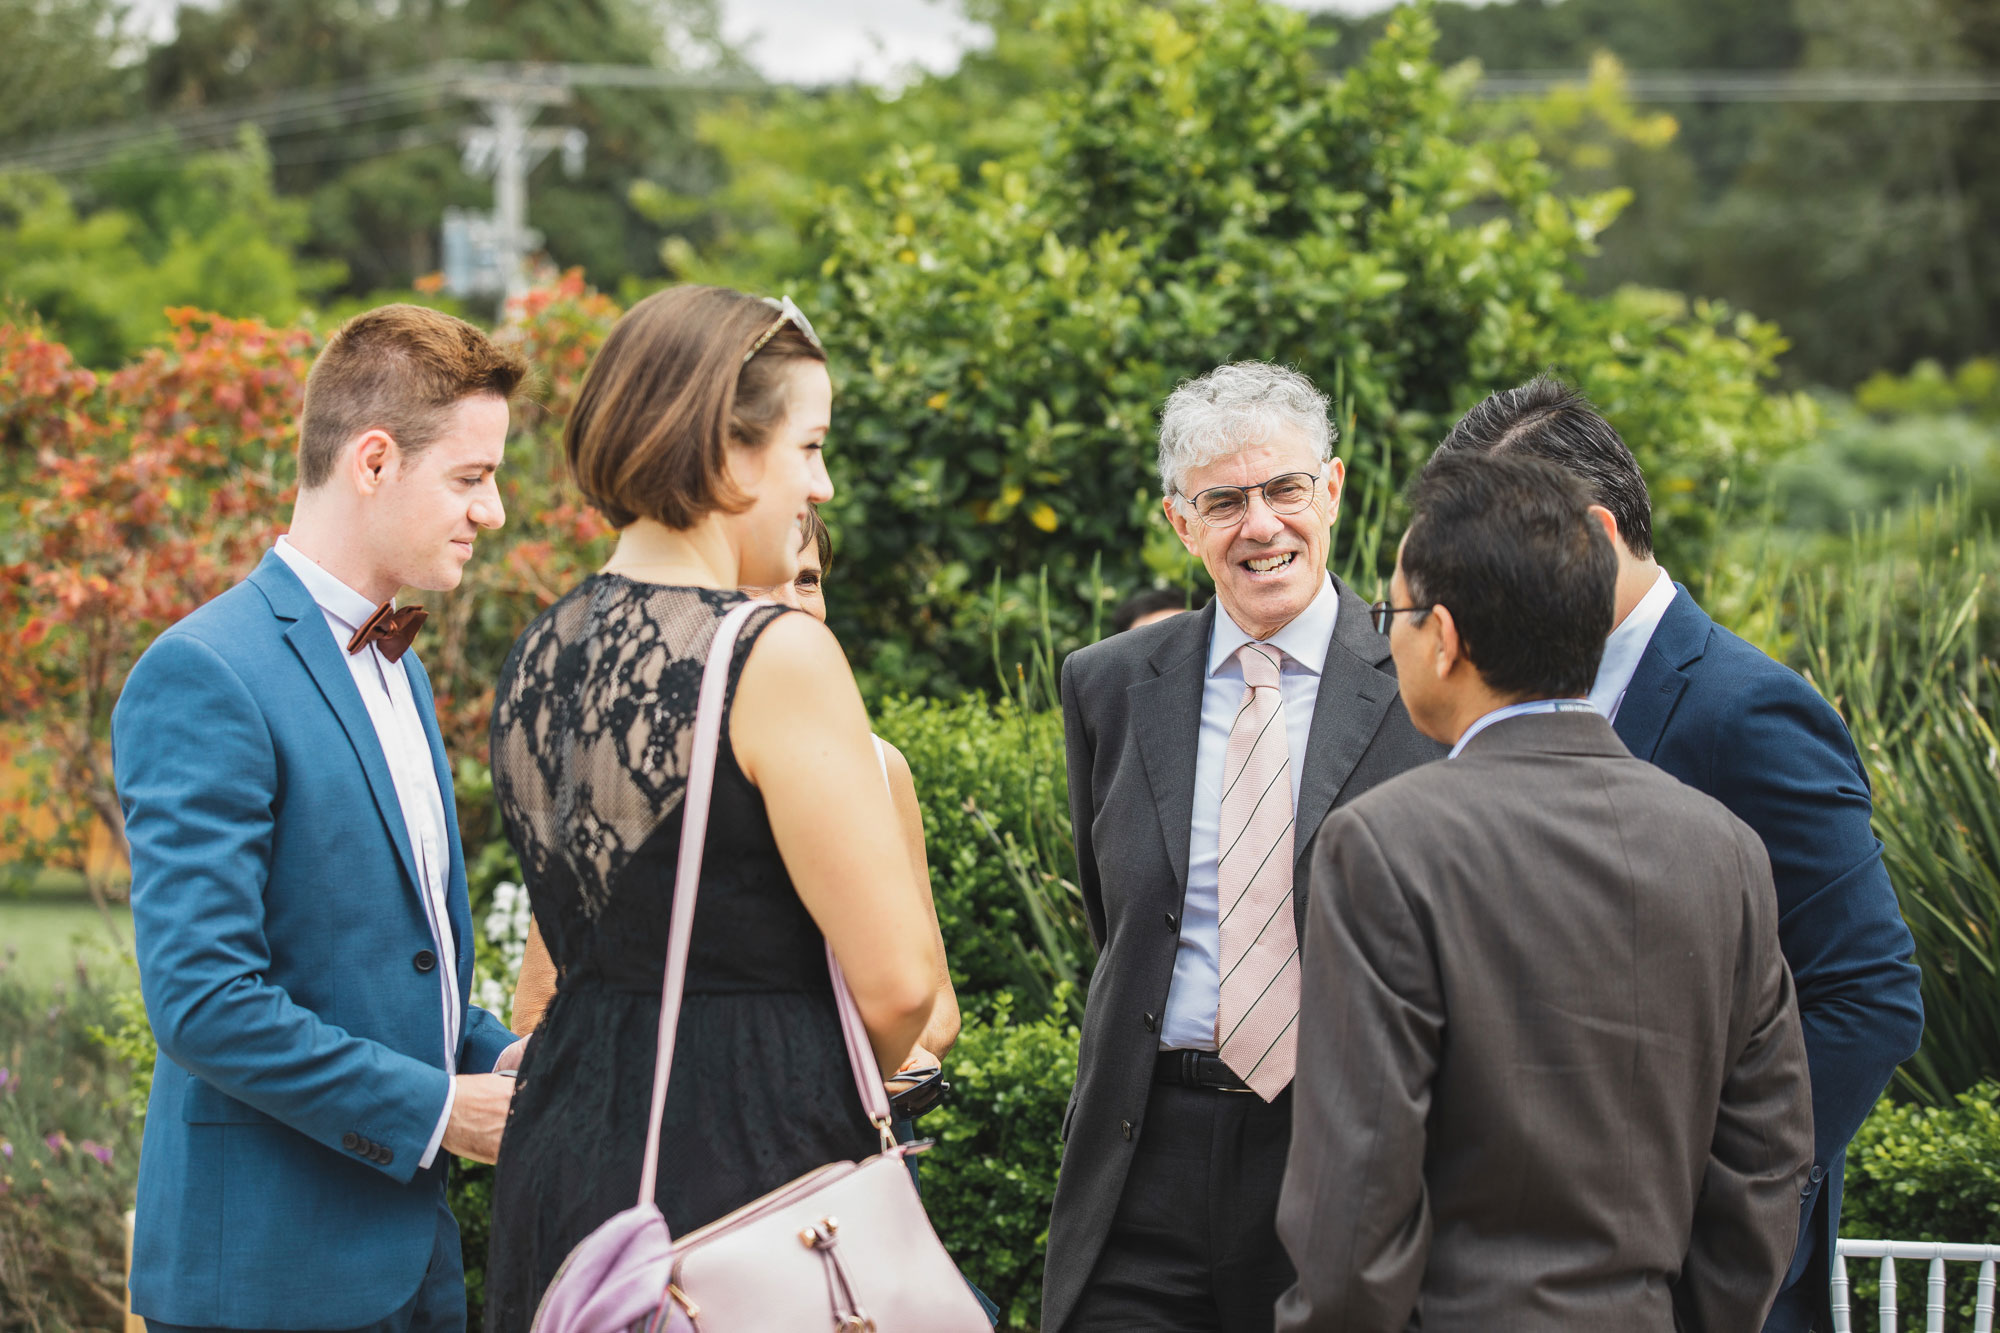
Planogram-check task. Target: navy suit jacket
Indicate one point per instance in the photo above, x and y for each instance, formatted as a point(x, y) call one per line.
point(285, 957)
point(1721, 716)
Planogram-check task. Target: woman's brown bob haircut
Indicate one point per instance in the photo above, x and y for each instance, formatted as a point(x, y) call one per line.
point(667, 395)
point(399, 369)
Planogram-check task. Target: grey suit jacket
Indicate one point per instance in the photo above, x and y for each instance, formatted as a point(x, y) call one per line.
point(1555, 1078)
point(1131, 718)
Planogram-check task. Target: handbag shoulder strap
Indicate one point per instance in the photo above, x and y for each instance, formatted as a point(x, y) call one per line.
point(687, 880)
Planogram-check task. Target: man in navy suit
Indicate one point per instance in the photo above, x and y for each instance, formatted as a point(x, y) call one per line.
point(1715, 712)
point(298, 888)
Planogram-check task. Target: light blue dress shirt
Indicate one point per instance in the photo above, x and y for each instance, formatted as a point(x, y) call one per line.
point(1189, 1021)
point(1527, 709)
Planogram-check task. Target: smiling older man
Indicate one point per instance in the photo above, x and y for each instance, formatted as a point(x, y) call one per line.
point(1198, 748)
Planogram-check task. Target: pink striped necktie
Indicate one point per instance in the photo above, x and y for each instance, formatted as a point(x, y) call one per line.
point(1257, 1019)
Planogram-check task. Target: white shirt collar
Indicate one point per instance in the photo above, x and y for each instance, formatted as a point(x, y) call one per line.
point(335, 598)
point(1627, 644)
point(1304, 640)
point(1517, 710)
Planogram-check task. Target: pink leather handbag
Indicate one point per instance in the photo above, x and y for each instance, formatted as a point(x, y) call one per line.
point(845, 1248)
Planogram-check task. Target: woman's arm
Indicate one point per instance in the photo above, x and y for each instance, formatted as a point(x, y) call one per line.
point(801, 737)
point(536, 985)
point(942, 1030)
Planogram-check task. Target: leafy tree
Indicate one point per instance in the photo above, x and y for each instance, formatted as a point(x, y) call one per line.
point(749, 224)
point(1201, 193)
point(63, 64)
point(381, 179)
point(207, 232)
point(1863, 228)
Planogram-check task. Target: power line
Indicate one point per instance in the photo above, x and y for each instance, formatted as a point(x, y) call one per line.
point(354, 102)
point(361, 101)
point(1727, 85)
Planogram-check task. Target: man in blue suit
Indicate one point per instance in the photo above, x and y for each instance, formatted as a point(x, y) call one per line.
point(1721, 716)
point(298, 888)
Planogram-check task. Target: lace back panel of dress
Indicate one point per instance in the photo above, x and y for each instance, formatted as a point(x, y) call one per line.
point(593, 725)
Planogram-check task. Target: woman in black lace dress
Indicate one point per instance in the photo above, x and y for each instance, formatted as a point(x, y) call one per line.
point(698, 435)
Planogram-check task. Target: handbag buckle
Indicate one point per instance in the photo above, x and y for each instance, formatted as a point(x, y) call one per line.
point(887, 1131)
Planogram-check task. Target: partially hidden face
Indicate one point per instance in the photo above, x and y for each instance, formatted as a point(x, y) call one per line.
point(1267, 566)
point(429, 510)
point(804, 592)
point(781, 477)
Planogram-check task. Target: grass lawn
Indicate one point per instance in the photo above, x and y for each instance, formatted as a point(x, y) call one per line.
point(44, 932)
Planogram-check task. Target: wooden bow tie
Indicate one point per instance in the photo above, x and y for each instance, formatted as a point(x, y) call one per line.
point(389, 629)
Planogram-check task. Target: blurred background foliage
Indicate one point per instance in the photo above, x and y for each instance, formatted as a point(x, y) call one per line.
point(1012, 263)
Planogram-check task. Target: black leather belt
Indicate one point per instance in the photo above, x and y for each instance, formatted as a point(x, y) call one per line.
point(1196, 1069)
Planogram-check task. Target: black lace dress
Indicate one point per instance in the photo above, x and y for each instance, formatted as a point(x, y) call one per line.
point(593, 727)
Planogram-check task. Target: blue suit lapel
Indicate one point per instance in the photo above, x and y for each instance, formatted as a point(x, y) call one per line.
point(313, 642)
point(1661, 679)
point(456, 901)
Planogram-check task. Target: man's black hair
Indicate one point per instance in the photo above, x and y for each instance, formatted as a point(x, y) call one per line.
point(1547, 419)
point(1144, 603)
point(1507, 543)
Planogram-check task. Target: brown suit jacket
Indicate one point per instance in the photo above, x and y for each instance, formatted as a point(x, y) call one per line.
point(1553, 1077)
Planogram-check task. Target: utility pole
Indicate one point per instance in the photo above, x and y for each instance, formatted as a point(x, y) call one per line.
point(507, 148)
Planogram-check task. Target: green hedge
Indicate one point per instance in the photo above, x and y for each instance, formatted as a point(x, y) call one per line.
point(990, 1181)
point(1924, 1173)
point(1009, 764)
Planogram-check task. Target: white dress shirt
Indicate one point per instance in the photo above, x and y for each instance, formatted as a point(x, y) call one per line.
point(1627, 645)
point(385, 690)
point(1192, 999)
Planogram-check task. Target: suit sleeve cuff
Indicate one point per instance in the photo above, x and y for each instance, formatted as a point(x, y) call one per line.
point(444, 1118)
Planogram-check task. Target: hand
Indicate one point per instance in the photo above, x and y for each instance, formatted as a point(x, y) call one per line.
point(478, 1116)
point(919, 1059)
point(511, 1057)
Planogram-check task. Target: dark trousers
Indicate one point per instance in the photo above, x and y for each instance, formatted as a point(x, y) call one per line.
point(1802, 1307)
point(1194, 1245)
point(438, 1306)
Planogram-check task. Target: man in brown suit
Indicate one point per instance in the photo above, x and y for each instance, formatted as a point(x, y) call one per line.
point(1554, 1078)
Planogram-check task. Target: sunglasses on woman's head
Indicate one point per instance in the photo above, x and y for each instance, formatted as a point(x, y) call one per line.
point(787, 313)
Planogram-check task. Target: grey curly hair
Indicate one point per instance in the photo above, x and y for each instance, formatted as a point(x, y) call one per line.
point(1233, 406)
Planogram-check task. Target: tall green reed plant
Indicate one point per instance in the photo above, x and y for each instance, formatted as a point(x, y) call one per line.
point(1891, 633)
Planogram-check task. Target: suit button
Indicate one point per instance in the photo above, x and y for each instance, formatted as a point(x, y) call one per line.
point(1151, 1023)
point(384, 1155)
point(350, 1141)
point(1173, 922)
point(424, 961)
point(1125, 1126)
point(1818, 1174)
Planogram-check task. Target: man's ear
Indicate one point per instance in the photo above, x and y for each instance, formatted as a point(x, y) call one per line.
point(372, 460)
point(1450, 648)
point(1336, 486)
point(1609, 522)
point(1182, 524)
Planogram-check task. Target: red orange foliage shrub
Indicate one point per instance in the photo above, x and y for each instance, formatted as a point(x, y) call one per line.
point(136, 496)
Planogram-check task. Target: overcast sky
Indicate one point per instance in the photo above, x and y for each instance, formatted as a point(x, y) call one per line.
point(823, 41)
point(818, 41)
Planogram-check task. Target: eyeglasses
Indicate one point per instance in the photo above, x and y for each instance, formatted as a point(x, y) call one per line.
point(787, 312)
point(1382, 614)
point(1223, 506)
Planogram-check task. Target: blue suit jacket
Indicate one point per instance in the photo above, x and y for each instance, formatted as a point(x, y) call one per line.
point(1724, 718)
point(276, 911)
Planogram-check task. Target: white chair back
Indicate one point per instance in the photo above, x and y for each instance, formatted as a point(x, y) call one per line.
point(1889, 1251)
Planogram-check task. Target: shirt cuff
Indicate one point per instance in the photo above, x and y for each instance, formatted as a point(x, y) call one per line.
point(437, 1135)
